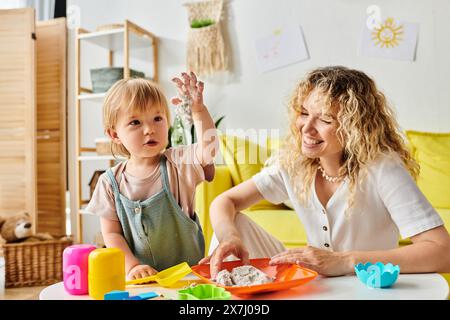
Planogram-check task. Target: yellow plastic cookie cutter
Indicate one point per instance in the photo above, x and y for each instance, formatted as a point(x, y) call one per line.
point(166, 277)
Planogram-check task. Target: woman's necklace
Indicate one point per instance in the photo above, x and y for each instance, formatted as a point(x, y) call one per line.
point(330, 178)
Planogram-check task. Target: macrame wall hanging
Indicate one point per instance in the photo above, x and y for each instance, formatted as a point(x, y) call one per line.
point(206, 52)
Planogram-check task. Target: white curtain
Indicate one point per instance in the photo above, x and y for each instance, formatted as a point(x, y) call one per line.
point(13, 4)
point(45, 9)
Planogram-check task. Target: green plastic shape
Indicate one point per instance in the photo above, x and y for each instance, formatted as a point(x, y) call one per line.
point(204, 292)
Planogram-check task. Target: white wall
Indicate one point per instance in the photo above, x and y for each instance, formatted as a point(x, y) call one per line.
point(419, 90)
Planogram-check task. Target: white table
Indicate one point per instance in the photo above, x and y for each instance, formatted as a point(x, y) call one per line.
point(430, 286)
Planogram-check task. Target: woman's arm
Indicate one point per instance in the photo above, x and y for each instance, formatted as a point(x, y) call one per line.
point(429, 252)
point(409, 209)
point(224, 208)
point(223, 211)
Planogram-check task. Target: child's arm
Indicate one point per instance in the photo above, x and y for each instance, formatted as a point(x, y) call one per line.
point(112, 235)
point(204, 125)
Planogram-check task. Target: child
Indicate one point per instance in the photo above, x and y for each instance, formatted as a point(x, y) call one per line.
point(146, 203)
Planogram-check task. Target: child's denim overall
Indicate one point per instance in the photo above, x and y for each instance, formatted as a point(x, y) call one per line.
point(157, 231)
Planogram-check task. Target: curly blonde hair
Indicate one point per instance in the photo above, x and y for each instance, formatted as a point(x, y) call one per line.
point(366, 128)
point(134, 95)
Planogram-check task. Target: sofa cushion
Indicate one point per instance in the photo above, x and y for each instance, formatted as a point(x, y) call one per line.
point(445, 215)
point(273, 144)
point(432, 152)
point(244, 159)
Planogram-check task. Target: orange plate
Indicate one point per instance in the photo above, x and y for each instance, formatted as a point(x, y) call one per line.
point(286, 276)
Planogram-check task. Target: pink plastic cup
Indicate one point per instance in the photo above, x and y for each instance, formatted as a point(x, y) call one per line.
point(75, 268)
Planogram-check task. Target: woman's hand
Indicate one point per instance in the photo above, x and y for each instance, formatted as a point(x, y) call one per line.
point(232, 246)
point(140, 271)
point(324, 262)
point(190, 90)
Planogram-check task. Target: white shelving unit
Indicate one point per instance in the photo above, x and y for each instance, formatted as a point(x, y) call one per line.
point(123, 39)
point(91, 96)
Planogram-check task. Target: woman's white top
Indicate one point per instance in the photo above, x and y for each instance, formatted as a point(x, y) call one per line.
point(388, 205)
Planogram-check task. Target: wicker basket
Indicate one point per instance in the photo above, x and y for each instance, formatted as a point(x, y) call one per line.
point(103, 78)
point(34, 263)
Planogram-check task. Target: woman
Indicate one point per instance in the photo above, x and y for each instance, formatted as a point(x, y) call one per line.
point(350, 177)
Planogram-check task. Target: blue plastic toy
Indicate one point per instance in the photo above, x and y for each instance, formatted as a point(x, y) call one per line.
point(377, 275)
point(117, 295)
point(148, 295)
point(125, 295)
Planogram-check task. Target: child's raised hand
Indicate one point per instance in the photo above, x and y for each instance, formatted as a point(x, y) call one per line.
point(140, 271)
point(189, 90)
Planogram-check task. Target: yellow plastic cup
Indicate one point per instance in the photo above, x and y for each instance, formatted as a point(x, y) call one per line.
point(106, 272)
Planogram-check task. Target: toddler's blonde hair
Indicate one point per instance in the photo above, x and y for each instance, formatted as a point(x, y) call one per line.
point(132, 95)
point(366, 128)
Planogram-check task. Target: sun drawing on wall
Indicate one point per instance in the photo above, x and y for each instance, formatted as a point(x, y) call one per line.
point(387, 34)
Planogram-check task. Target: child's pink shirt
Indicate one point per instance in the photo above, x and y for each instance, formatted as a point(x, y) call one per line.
point(183, 168)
